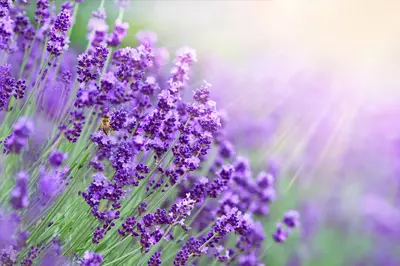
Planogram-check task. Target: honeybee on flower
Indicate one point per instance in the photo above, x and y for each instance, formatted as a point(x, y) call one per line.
point(105, 124)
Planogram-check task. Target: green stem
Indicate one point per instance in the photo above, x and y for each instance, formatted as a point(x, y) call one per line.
point(122, 258)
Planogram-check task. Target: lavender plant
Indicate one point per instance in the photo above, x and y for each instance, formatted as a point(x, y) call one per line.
point(105, 162)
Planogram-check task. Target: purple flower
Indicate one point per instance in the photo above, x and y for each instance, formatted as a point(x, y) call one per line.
point(226, 150)
point(128, 227)
point(182, 208)
point(145, 141)
point(19, 198)
point(91, 259)
point(4, 7)
point(190, 247)
point(8, 256)
point(229, 223)
point(180, 71)
point(165, 100)
point(30, 257)
point(23, 127)
point(90, 65)
point(148, 220)
point(202, 95)
point(6, 33)
point(132, 63)
point(56, 158)
point(155, 259)
point(267, 195)
point(291, 219)
point(119, 33)
point(42, 12)
point(97, 28)
point(220, 182)
point(199, 191)
point(87, 95)
point(103, 189)
point(14, 144)
point(142, 207)
point(280, 234)
point(68, 6)
point(77, 120)
point(223, 256)
point(17, 140)
point(265, 180)
point(118, 119)
point(20, 88)
point(7, 84)
point(58, 39)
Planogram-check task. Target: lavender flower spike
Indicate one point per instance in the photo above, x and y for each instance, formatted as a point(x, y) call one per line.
point(19, 195)
point(91, 259)
point(56, 158)
point(155, 260)
point(58, 39)
point(291, 219)
point(17, 140)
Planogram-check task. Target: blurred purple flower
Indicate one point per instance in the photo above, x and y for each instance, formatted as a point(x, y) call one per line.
point(19, 198)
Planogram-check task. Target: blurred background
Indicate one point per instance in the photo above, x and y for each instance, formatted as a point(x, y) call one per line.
point(312, 90)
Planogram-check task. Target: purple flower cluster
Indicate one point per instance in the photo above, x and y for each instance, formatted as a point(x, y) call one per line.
point(6, 26)
point(97, 28)
point(42, 12)
point(148, 229)
point(17, 140)
point(19, 195)
point(89, 93)
point(145, 128)
point(103, 189)
point(9, 87)
point(16, 30)
point(155, 259)
point(58, 38)
point(220, 182)
point(119, 33)
point(89, 68)
point(240, 197)
point(291, 220)
point(91, 259)
point(8, 256)
point(32, 255)
point(180, 72)
point(56, 158)
point(233, 222)
point(6, 86)
point(12, 237)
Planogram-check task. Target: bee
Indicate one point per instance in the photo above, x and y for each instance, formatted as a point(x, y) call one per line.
point(105, 124)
